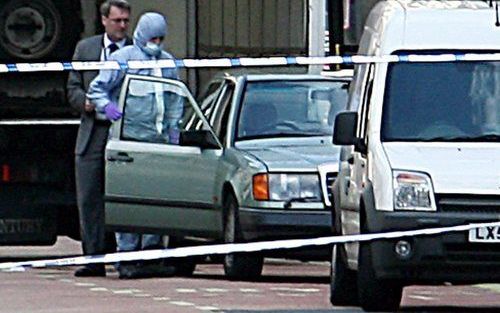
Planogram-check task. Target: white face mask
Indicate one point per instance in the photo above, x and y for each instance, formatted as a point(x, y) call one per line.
point(153, 49)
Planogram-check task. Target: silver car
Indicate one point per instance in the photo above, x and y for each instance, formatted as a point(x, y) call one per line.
point(254, 161)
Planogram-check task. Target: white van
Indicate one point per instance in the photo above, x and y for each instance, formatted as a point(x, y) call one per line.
point(421, 149)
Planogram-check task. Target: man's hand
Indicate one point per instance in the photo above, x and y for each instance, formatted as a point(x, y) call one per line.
point(89, 107)
point(112, 112)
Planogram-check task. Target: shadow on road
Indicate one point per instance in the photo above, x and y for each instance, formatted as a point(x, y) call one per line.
point(453, 309)
point(272, 279)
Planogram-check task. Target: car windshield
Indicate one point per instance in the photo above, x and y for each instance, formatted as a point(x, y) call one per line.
point(290, 108)
point(449, 101)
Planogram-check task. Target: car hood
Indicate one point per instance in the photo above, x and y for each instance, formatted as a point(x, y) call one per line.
point(453, 167)
point(292, 154)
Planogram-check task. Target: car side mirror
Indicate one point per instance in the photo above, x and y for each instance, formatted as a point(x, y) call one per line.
point(344, 129)
point(203, 139)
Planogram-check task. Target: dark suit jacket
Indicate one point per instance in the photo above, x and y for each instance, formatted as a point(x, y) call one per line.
point(88, 49)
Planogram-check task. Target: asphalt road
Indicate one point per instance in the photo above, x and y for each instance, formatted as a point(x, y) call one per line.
point(286, 286)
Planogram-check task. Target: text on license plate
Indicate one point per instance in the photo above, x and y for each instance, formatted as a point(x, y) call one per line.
point(485, 234)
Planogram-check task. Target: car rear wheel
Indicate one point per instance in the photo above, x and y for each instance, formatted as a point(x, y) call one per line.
point(238, 266)
point(375, 295)
point(343, 284)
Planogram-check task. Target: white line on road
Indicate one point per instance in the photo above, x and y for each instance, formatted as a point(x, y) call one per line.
point(249, 290)
point(99, 289)
point(215, 290)
point(417, 297)
point(186, 290)
point(182, 303)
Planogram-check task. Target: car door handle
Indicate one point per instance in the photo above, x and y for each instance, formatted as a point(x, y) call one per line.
point(120, 157)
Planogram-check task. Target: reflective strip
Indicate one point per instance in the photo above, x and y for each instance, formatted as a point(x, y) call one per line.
point(237, 247)
point(243, 62)
point(39, 122)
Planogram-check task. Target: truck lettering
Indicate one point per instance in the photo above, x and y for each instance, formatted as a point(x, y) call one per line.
point(20, 226)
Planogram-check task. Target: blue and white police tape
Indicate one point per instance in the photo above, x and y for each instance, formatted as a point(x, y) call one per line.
point(243, 247)
point(243, 62)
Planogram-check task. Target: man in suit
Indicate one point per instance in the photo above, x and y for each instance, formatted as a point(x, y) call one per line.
point(93, 133)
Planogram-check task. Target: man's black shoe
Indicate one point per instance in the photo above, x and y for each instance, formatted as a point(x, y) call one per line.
point(91, 271)
point(145, 271)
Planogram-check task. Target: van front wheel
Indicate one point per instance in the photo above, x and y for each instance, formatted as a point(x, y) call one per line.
point(375, 294)
point(343, 284)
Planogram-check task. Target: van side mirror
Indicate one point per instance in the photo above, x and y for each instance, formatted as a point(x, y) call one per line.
point(344, 132)
point(198, 138)
point(344, 129)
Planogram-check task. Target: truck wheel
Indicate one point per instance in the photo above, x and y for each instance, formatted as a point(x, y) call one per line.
point(39, 29)
point(375, 294)
point(343, 284)
point(238, 266)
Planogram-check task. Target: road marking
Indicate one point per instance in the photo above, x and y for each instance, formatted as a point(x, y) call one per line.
point(66, 280)
point(141, 295)
point(186, 290)
point(161, 298)
point(298, 295)
point(85, 284)
point(215, 290)
point(305, 290)
point(208, 308)
point(417, 297)
point(249, 290)
point(181, 303)
point(99, 289)
point(125, 291)
point(492, 287)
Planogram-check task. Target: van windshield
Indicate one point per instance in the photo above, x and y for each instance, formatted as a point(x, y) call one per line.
point(449, 101)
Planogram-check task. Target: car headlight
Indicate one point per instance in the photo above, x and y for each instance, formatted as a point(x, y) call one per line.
point(413, 192)
point(283, 187)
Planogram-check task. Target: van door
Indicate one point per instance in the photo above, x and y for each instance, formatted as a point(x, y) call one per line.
point(153, 183)
point(357, 170)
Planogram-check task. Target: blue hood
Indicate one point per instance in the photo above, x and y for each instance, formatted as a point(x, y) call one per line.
point(150, 25)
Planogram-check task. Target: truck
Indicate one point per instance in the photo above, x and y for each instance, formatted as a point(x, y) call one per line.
point(37, 126)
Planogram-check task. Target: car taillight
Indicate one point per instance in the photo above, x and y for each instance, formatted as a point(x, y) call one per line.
point(5, 173)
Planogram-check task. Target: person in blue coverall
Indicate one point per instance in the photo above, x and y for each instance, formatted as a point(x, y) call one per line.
point(103, 92)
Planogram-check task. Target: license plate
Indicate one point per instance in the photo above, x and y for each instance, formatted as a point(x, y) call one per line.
point(485, 234)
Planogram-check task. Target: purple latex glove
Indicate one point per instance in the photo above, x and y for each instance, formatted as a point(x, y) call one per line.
point(112, 112)
point(173, 136)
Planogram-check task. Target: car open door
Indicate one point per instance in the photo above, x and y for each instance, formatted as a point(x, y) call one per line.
point(152, 182)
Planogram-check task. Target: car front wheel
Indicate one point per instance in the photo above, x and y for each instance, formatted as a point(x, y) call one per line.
point(238, 266)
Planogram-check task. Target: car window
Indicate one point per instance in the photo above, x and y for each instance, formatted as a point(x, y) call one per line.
point(156, 112)
point(209, 98)
point(221, 115)
point(290, 108)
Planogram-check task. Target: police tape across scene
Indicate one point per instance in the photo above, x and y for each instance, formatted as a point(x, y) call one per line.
point(243, 62)
point(493, 227)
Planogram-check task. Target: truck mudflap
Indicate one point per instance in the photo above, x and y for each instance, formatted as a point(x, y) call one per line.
point(26, 217)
